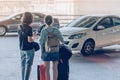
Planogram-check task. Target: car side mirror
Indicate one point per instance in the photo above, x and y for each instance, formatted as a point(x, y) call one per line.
point(100, 27)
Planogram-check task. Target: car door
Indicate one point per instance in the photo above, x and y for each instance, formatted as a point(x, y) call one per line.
point(38, 20)
point(36, 17)
point(14, 22)
point(104, 33)
point(116, 23)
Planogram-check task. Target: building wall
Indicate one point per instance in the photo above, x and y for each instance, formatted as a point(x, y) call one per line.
point(8, 7)
point(55, 6)
point(96, 7)
point(65, 7)
point(46, 6)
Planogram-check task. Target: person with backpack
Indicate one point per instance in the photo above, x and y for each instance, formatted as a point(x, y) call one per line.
point(26, 48)
point(55, 24)
point(50, 38)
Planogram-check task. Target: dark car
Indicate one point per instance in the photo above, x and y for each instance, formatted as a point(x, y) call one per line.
point(11, 23)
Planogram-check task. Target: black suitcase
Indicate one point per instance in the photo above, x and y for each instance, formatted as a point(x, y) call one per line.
point(38, 72)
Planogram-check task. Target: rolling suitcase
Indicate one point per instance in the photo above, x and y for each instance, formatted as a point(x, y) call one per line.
point(41, 72)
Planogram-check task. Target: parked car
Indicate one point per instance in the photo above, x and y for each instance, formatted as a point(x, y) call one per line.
point(91, 32)
point(11, 23)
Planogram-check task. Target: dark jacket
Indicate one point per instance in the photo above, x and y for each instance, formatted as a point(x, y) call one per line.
point(63, 66)
point(65, 53)
point(25, 31)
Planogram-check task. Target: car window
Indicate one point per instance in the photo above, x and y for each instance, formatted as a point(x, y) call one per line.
point(18, 17)
point(84, 22)
point(116, 21)
point(36, 17)
point(106, 23)
point(88, 22)
point(76, 21)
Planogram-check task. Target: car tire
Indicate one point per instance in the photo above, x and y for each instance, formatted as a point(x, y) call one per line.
point(88, 48)
point(2, 30)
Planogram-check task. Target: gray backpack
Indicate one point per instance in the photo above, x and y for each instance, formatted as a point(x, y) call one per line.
point(52, 42)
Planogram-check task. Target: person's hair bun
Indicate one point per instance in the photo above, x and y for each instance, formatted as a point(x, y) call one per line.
point(48, 20)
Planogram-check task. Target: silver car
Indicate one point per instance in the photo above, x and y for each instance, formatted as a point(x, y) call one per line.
point(11, 23)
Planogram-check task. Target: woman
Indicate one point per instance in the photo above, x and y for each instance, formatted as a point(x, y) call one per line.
point(48, 56)
point(26, 49)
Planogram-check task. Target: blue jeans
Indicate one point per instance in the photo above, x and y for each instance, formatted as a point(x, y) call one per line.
point(27, 57)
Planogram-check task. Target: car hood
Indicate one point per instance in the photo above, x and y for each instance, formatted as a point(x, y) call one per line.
point(4, 21)
point(71, 30)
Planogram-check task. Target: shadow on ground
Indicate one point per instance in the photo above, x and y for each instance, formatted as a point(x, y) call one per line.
point(99, 56)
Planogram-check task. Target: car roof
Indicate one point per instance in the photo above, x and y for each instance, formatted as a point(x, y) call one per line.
point(23, 12)
point(101, 15)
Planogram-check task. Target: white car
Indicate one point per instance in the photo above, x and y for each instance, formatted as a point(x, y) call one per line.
point(90, 32)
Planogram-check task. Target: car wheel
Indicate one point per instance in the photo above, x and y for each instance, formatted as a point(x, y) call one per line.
point(88, 48)
point(2, 31)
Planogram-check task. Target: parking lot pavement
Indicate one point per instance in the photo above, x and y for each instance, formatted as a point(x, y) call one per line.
point(103, 65)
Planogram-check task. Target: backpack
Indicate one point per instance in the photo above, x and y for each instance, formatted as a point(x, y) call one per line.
point(52, 42)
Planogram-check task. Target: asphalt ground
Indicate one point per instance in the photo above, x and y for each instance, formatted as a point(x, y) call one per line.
point(103, 65)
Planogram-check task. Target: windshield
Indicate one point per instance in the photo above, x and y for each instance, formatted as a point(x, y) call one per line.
point(83, 22)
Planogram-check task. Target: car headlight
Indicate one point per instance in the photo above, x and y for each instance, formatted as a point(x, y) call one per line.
point(77, 36)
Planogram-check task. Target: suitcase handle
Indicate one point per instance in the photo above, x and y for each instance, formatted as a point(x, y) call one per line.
point(38, 72)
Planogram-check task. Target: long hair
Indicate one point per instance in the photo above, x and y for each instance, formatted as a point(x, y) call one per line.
point(27, 18)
